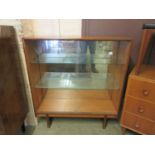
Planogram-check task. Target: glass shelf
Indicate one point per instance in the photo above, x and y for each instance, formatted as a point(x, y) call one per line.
point(77, 81)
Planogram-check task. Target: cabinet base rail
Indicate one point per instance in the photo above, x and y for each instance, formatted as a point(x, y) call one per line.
point(104, 119)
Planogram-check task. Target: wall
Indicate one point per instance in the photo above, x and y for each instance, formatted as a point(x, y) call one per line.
point(52, 28)
point(117, 27)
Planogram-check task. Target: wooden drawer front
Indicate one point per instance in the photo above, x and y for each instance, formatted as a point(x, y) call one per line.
point(138, 124)
point(140, 107)
point(142, 89)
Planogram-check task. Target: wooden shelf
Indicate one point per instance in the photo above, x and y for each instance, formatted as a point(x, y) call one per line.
point(78, 102)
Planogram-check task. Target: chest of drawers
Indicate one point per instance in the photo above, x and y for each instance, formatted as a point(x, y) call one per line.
point(139, 104)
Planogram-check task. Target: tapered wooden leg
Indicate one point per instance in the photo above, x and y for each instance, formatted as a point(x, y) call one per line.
point(49, 121)
point(123, 130)
point(104, 122)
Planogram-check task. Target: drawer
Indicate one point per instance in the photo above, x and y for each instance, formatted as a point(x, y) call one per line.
point(140, 107)
point(141, 89)
point(138, 124)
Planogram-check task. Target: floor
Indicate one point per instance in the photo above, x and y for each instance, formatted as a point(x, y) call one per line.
point(69, 126)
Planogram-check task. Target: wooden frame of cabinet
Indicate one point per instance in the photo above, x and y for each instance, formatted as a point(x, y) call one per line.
point(102, 104)
point(147, 33)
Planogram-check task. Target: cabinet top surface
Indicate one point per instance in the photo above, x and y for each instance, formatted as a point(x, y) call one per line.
point(147, 73)
point(104, 38)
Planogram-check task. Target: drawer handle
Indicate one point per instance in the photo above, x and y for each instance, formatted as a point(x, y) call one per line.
point(141, 109)
point(145, 92)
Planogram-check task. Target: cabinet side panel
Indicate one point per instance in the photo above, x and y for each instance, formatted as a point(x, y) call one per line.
point(119, 69)
point(35, 72)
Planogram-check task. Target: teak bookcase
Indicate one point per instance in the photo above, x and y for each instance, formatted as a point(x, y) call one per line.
point(77, 77)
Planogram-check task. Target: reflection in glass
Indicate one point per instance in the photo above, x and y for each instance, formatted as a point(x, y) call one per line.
point(91, 45)
point(78, 64)
point(81, 56)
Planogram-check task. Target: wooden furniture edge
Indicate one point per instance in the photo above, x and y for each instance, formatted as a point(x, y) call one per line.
point(104, 38)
